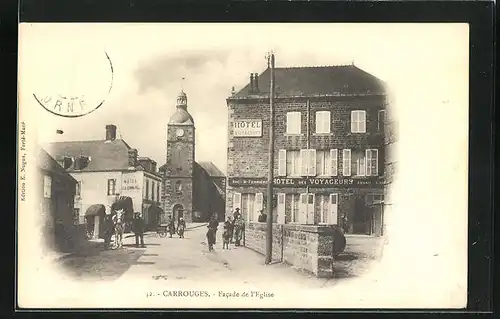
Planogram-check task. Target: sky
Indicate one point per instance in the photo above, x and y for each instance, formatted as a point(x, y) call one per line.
point(424, 65)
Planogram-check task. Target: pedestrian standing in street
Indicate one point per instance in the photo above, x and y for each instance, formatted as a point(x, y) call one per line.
point(239, 227)
point(213, 224)
point(108, 231)
point(138, 229)
point(235, 217)
point(181, 226)
point(171, 225)
point(230, 228)
point(225, 237)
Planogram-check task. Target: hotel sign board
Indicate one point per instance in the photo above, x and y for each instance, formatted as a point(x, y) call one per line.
point(306, 182)
point(247, 128)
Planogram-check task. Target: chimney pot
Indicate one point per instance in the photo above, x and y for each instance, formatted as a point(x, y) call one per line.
point(132, 157)
point(110, 132)
point(256, 82)
point(251, 82)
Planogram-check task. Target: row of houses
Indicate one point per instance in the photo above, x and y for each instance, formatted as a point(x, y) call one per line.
point(328, 159)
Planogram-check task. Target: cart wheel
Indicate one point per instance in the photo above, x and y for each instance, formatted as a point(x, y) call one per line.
point(162, 234)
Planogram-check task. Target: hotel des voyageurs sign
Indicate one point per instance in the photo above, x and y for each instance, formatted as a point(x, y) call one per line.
point(306, 182)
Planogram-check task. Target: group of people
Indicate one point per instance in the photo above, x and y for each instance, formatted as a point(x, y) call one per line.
point(114, 224)
point(181, 226)
point(233, 230)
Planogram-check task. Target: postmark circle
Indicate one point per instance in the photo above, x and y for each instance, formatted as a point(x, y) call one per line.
point(74, 82)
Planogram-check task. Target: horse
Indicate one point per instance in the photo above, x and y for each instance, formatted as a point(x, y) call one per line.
point(118, 229)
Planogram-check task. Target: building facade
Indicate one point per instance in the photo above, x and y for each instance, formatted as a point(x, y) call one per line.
point(109, 172)
point(328, 148)
point(189, 189)
point(57, 192)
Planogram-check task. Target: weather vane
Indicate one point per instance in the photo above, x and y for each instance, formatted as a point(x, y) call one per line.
point(182, 84)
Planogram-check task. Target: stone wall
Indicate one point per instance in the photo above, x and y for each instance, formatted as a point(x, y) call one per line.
point(306, 247)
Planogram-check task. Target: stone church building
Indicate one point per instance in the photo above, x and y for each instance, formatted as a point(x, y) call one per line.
point(192, 190)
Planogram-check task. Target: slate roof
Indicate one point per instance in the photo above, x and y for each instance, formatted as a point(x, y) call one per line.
point(320, 80)
point(104, 156)
point(211, 169)
point(49, 164)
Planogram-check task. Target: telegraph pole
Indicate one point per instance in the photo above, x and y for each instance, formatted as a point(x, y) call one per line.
point(269, 230)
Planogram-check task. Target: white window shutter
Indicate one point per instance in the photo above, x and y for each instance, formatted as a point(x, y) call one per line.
point(259, 201)
point(281, 208)
point(289, 122)
point(303, 208)
point(346, 162)
point(312, 163)
point(298, 122)
point(333, 209)
point(362, 121)
point(353, 122)
point(319, 123)
point(237, 201)
point(333, 162)
point(282, 163)
point(327, 122)
point(303, 162)
point(311, 209)
point(375, 168)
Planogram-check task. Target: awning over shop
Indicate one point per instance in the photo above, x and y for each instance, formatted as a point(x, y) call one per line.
point(151, 208)
point(95, 210)
point(125, 203)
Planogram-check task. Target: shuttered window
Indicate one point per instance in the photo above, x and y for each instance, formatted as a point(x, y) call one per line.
point(311, 170)
point(293, 162)
point(293, 122)
point(323, 121)
point(47, 186)
point(303, 162)
point(281, 208)
point(346, 162)
point(372, 162)
point(333, 162)
point(333, 216)
point(282, 163)
point(358, 121)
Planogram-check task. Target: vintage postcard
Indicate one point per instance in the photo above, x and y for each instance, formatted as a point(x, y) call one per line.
point(242, 165)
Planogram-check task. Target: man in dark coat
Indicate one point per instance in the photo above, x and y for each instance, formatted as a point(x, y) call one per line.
point(213, 224)
point(235, 217)
point(262, 217)
point(108, 230)
point(171, 225)
point(138, 229)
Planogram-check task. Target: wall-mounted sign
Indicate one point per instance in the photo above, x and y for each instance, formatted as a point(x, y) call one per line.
point(130, 183)
point(247, 128)
point(306, 182)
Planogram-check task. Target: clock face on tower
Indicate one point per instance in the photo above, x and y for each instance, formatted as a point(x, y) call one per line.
point(179, 132)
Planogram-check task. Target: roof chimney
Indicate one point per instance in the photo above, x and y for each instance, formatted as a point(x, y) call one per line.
point(256, 82)
point(110, 133)
point(251, 82)
point(132, 157)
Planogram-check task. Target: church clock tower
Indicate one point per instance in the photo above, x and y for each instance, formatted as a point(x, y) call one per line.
point(178, 170)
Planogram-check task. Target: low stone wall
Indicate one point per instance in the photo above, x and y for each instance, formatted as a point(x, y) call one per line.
point(307, 247)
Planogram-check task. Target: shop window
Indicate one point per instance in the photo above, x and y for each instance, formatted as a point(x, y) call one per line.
point(323, 120)
point(250, 206)
point(236, 201)
point(47, 186)
point(112, 186)
point(358, 121)
point(293, 123)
